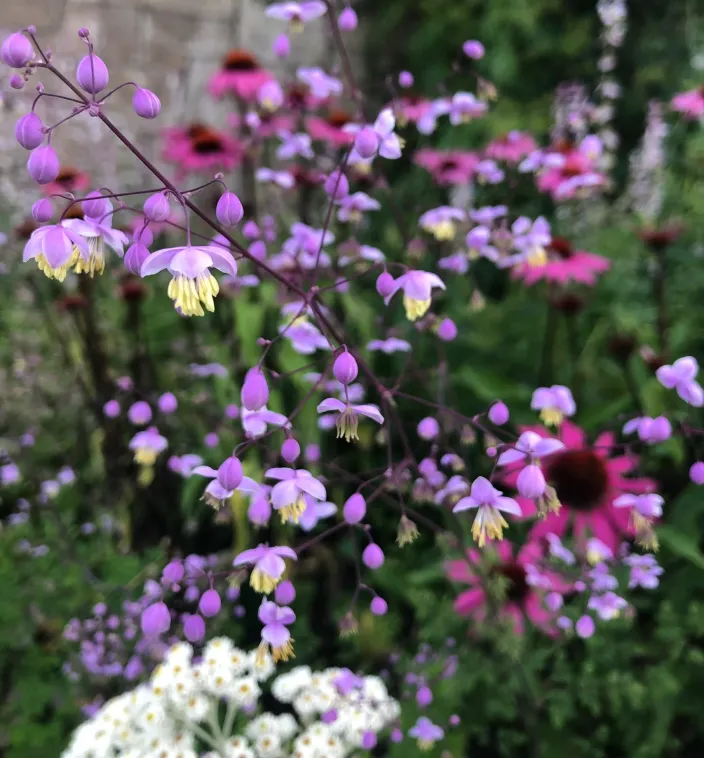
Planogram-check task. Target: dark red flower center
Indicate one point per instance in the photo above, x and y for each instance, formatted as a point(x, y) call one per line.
point(338, 118)
point(75, 211)
point(516, 585)
point(207, 143)
point(197, 130)
point(296, 95)
point(449, 164)
point(240, 60)
point(580, 478)
point(561, 247)
point(66, 177)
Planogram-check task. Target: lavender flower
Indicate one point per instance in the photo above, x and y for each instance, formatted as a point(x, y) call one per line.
point(440, 222)
point(347, 419)
point(269, 565)
point(489, 503)
point(288, 496)
point(297, 14)
point(680, 377)
point(56, 249)
point(147, 445)
point(426, 733)
point(554, 403)
point(97, 232)
point(275, 635)
point(417, 287)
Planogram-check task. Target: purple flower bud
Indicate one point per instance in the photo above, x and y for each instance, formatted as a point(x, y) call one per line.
point(258, 250)
point(194, 628)
point(157, 208)
point(366, 142)
point(111, 409)
point(135, 256)
point(368, 740)
point(290, 450)
point(96, 206)
point(211, 440)
point(43, 164)
point(447, 331)
point(428, 428)
point(255, 391)
point(554, 601)
point(156, 620)
point(396, 735)
point(696, 472)
point(259, 511)
point(232, 411)
point(42, 211)
point(282, 47)
point(424, 696)
point(585, 627)
point(355, 509)
point(83, 33)
point(230, 473)
point(229, 209)
point(348, 20)
point(173, 571)
point(498, 413)
point(312, 453)
point(92, 74)
point(329, 717)
point(473, 49)
point(454, 720)
point(384, 284)
point(210, 603)
point(145, 103)
point(378, 606)
point(405, 79)
point(16, 81)
point(285, 593)
point(17, 50)
point(337, 185)
point(167, 402)
point(373, 556)
point(29, 131)
point(345, 368)
point(139, 413)
point(531, 482)
point(134, 668)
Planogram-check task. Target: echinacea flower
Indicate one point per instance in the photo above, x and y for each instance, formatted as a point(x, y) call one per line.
point(559, 262)
point(200, 148)
point(275, 635)
point(448, 167)
point(347, 419)
point(426, 733)
point(490, 503)
point(586, 483)
point(97, 232)
point(147, 445)
point(269, 566)
point(192, 286)
point(297, 14)
point(441, 222)
point(240, 75)
point(331, 128)
point(554, 403)
point(690, 104)
point(56, 249)
point(417, 287)
point(288, 495)
point(511, 148)
point(680, 376)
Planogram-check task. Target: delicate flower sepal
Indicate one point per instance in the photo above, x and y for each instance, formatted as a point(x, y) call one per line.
point(489, 502)
point(347, 419)
point(56, 250)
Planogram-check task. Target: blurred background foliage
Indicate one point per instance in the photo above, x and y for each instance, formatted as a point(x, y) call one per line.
point(637, 687)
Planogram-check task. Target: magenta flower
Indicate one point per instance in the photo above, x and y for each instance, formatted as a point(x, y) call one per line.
point(426, 733)
point(56, 249)
point(463, 107)
point(192, 282)
point(147, 445)
point(560, 263)
point(288, 496)
point(320, 84)
point(512, 148)
point(680, 376)
point(417, 287)
point(297, 14)
point(331, 129)
point(489, 503)
point(448, 166)
point(690, 104)
point(269, 566)
point(347, 419)
point(441, 222)
point(240, 75)
point(275, 635)
point(255, 423)
point(554, 404)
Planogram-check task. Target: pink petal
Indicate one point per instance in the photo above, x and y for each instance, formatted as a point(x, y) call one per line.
point(284, 494)
point(331, 404)
point(280, 473)
point(467, 602)
point(158, 261)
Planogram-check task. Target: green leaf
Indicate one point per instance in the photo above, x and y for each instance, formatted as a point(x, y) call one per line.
point(681, 544)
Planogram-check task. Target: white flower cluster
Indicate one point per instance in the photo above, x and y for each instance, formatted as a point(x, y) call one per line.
point(206, 708)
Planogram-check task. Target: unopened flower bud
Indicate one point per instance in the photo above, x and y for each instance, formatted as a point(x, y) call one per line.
point(428, 428)
point(585, 627)
point(92, 74)
point(355, 509)
point(145, 103)
point(194, 628)
point(155, 620)
point(95, 205)
point(290, 450)
point(366, 142)
point(111, 409)
point(157, 208)
point(373, 556)
point(139, 413)
point(229, 210)
point(259, 511)
point(531, 482)
point(348, 20)
point(407, 531)
point(210, 603)
point(285, 593)
point(17, 50)
point(498, 413)
point(135, 256)
point(230, 473)
point(282, 46)
point(447, 330)
point(337, 185)
point(384, 284)
point(696, 472)
point(255, 391)
point(405, 79)
point(43, 164)
point(424, 696)
point(345, 368)
point(144, 235)
point(42, 211)
point(473, 49)
point(83, 33)
point(378, 606)
point(173, 571)
point(16, 81)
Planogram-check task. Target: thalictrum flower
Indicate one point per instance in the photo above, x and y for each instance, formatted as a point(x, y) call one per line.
point(489, 503)
point(607, 606)
point(192, 285)
point(314, 512)
point(390, 345)
point(389, 144)
point(255, 423)
point(417, 287)
point(293, 145)
point(426, 733)
point(305, 337)
point(649, 430)
point(97, 232)
point(216, 493)
point(554, 404)
point(56, 249)
point(440, 222)
point(645, 509)
point(680, 376)
point(297, 14)
point(644, 571)
point(354, 206)
point(463, 107)
point(147, 445)
point(269, 565)
point(347, 419)
point(275, 635)
point(319, 83)
point(288, 496)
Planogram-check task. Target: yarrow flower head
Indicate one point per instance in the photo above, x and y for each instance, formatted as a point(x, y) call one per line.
point(554, 404)
point(348, 416)
point(192, 286)
point(417, 287)
point(269, 566)
point(489, 503)
point(288, 496)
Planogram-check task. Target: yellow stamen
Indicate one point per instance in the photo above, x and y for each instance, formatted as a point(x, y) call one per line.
point(293, 511)
point(347, 423)
point(145, 456)
point(645, 536)
point(96, 257)
point(261, 582)
point(488, 523)
point(551, 416)
point(415, 308)
point(537, 257)
point(188, 294)
point(444, 230)
point(548, 502)
point(296, 25)
point(58, 273)
point(282, 653)
point(425, 745)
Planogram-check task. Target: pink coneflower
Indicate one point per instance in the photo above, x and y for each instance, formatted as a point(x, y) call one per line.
point(240, 75)
point(511, 148)
point(575, 173)
point(330, 129)
point(690, 104)
point(199, 148)
point(68, 180)
point(448, 166)
point(586, 481)
point(523, 598)
point(562, 264)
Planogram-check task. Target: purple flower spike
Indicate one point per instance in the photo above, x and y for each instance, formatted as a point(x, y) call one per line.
point(43, 165)
point(17, 50)
point(92, 74)
point(29, 131)
point(145, 103)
